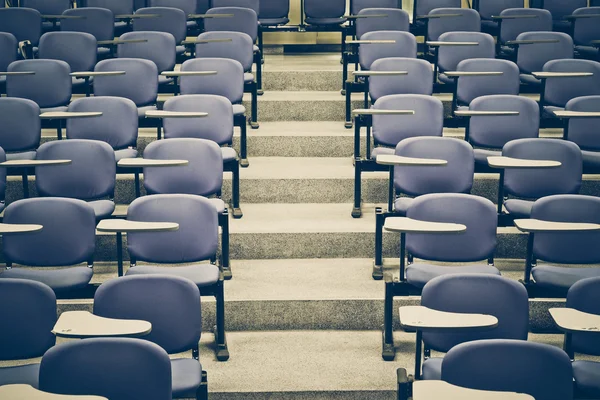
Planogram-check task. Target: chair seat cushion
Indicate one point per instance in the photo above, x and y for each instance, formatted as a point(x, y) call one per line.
point(24, 155)
point(103, 52)
point(445, 79)
point(22, 374)
point(518, 208)
point(591, 161)
point(200, 274)
point(481, 155)
point(381, 150)
point(324, 21)
point(588, 52)
point(549, 111)
point(239, 109)
point(186, 376)
point(401, 205)
point(192, 24)
point(179, 50)
point(587, 378)
point(489, 26)
point(274, 21)
point(228, 153)
point(125, 153)
point(165, 80)
point(530, 80)
point(248, 77)
point(102, 208)
point(255, 48)
point(421, 273)
point(60, 280)
point(432, 369)
point(218, 203)
point(561, 278)
point(142, 110)
point(54, 109)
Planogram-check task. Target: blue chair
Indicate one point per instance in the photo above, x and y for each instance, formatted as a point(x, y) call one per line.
point(585, 30)
point(115, 368)
point(195, 241)
point(187, 6)
point(532, 57)
point(419, 79)
point(176, 322)
point(514, 21)
point(461, 19)
point(99, 22)
point(171, 20)
point(324, 14)
point(422, 8)
point(559, 10)
point(68, 238)
point(25, 24)
point(537, 369)
point(447, 58)
point(9, 48)
point(580, 131)
point(273, 13)
point(20, 128)
point(27, 320)
point(492, 8)
point(47, 7)
point(117, 7)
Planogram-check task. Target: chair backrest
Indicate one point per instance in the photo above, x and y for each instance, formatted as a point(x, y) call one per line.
point(171, 20)
point(419, 79)
point(395, 19)
point(28, 318)
point(493, 132)
point(535, 183)
point(359, 5)
point(47, 7)
point(537, 369)
point(244, 20)
point(510, 29)
point(98, 22)
point(117, 126)
point(455, 177)
point(228, 82)
point(469, 88)
point(568, 248)
point(504, 298)
point(23, 23)
point(217, 126)
point(139, 84)
point(78, 49)
point(50, 86)
point(584, 296)
point(533, 57)
point(196, 239)
point(559, 8)
point(586, 29)
point(116, 6)
point(489, 8)
point(202, 176)
point(9, 48)
point(251, 4)
point(428, 119)
point(68, 236)
point(582, 130)
point(187, 6)
point(467, 20)
point(424, 7)
point(273, 9)
point(240, 48)
point(405, 46)
point(91, 175)
point(559, 91)
point(20, 128)
point(159, 48)
point(478, 214)
point(450, 56)
point(176, 319)
point(324, 9)
point(115, 368)
point(2, 177)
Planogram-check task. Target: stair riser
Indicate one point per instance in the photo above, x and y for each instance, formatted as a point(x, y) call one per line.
point(302, 80)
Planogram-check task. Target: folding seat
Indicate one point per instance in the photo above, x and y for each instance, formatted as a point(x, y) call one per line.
point(560, 245)
point(412, 180)
point(27, 322)
point(272, 13)
point(493, 8)
point(118, 7)
point(67, 238)
point(238, 49)
point(176, 321)
point(9, 48)
point(98, 22)
point(324, 16)
point(216, 126)
point(115, 368)
point(514, 21)
point(559, 10)
point(25, 24)
point(586, 32)
point(443, 20)
point(195, 241)
point(580, 128)
point(171, 20)
point(408, 116)
point(421, 8)
point(139, 83)
point(77, 49)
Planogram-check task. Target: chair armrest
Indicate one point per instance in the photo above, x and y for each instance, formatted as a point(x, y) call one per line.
point(205, 16)
point(118, 41)
point(439, 44)
point(70, 115)
point(83, 324)
point(537, 41)
point(501, 17)
point(391, 159)
point(435, 16)
point(136, 16)
point(7, 229)
point(572, 320)
point(577, 114)
point(59, 17)
point(124, 225)
point(375, 111)
point(175, 114)
point(371, 42)
point(438, 390)
point(471, 113)
point(32, 163)
point(545, 75)
point(146, 162)
point(17, 73)
point(379, 73)
point(84, 74)
point(408, 225)
point(188, 73)
point(537, 225)
point(581, 16)
point(205, 41)
point(472, 73)
point(22, 391)
point(508, 162)
point(427, 319)
point(595, 42)
point(365, 16)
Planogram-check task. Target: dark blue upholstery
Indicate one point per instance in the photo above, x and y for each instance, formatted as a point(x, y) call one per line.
point(424, 7)
point(23, 23)
point(47, 7)
point(468, 21)
point(469, 88)
point(139, 84)
point(324, 12)
point(98, 22)
point(159, 48)
point(187, 6)
point(450, 56)
point(78, 49)
point(171, 20)
point(9, 48)
point(116, 6)
point(251, 4)
point(532, 57)
point(510, 29)
point(405, 46)
point(584, 296)
point(20, 129)
point(585, 30)
point(228, 82)
point(559, 91)
point(580, 131)
point(274, 12)
point(359, 5)
point(419, 79)
point(244, 20)
point(239, 49)
point(395, 20)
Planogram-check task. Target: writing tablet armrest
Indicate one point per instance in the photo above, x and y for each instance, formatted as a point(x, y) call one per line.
point(508, 162)
point(438, 390)
point(379, 73)
point(537, 41)
point(572, 320)
point(427, 319)
point(205, 41)
point(83, 324)
point(124, 225)
point(87, 74)
point(409, 225)
point(435, 16)
point(59, 17)
point(204, 16)
point(136, 16)
point(595, 42)
point(545, 75)
point(383, 41)
point(391, 159)
point(537, 225)
point(365, 16)
point(457, 74)
point(581, 16)
point(501, 17)
point(375, 111)
point(17, 73)
point(7, 229)
point(22, 391)
point(118, 41)
point(174, 114)
point(577, 114)
point(439, 43)
point(32, 163)
point(69, 115)
point(188, 73)
point(145, 162)
point(471, 113)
